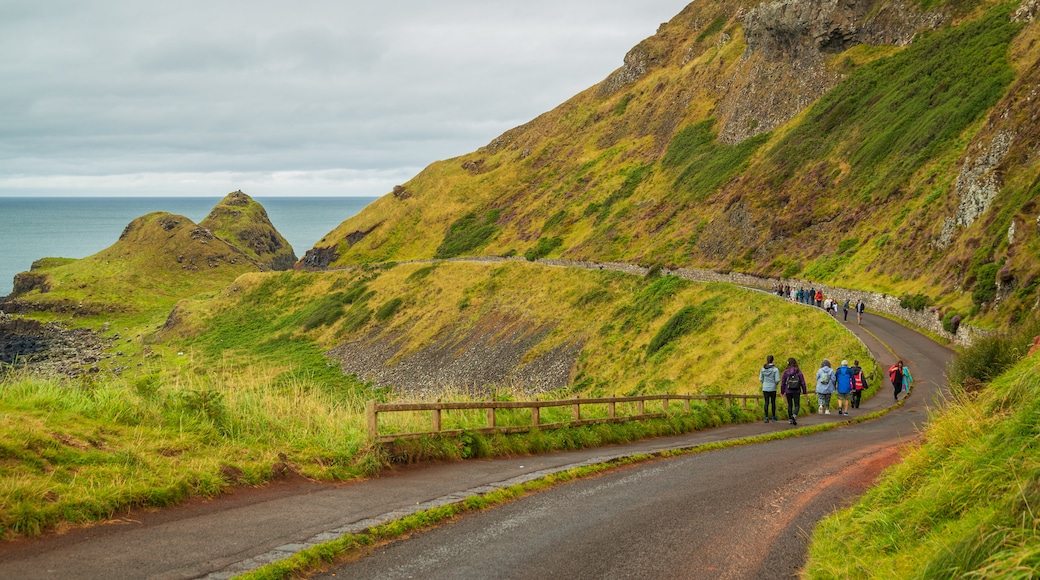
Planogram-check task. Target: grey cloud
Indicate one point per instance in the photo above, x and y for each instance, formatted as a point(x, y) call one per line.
point(123, 88)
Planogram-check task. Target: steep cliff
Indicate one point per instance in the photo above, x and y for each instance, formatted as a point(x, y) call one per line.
point(876, 145)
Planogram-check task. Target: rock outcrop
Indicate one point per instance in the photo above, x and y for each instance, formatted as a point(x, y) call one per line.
point(783, 69)
point(242, 222)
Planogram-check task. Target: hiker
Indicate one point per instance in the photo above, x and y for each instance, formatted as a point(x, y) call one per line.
point(769, 376)
point(908, 380)
point(845, 308)
point(819, 297)
point(895, 374)
point(824, 387)
point(811, 298)
point(793, 386)
point(843, 384)
point(859, 384)
point(859, 311)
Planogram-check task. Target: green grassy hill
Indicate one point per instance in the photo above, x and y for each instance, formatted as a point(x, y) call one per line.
point(872, 163)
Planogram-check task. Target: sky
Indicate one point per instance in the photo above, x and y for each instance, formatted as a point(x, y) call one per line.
point(280, 98)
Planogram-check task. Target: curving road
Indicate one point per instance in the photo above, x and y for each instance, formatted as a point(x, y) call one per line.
point(743, 512)
point(735, 513)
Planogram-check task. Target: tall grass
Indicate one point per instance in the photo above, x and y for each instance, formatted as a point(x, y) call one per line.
point(76, 451)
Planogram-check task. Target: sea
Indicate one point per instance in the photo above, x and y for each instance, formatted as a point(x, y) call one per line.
point(76, 227)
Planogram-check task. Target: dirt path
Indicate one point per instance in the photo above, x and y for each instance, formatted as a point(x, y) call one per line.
point(240, 531)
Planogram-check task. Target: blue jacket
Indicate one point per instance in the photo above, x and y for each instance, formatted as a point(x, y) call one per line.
point(844, 378)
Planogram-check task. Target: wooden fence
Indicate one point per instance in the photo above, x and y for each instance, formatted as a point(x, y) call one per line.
point(374, 409)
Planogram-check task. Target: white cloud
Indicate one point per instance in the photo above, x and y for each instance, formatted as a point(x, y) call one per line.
point(331, 96)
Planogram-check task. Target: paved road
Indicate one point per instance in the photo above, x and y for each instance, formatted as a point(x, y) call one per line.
point(743, 512)
point(719, 514)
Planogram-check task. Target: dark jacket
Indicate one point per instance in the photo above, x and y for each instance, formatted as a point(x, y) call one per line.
point(801, 380)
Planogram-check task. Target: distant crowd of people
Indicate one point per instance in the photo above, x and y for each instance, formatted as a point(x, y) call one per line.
point(846, 382)
point(815, 297)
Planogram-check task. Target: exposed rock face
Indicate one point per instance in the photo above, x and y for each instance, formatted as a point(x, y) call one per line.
point(318, 259)
point(783, 70)
point(50, 347)
point(978, 183)
point(241, 221)
point(25, 282)
point(491, 353)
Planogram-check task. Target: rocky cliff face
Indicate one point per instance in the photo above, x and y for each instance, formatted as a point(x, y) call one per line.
point(783, 69)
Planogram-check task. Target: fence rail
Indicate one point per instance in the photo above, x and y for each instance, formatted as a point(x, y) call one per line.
point(374, 409)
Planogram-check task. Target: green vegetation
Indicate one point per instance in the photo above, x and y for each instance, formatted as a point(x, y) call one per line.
point(543, 248)
point(702, 163)
point(468, 233)
point(690, 319)
point(961, 505)
point(902, 110)
point(915, 302)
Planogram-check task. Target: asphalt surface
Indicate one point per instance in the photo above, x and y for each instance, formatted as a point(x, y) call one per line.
point(739, 512)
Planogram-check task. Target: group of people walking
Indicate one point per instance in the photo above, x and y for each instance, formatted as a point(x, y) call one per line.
point(846, 382)
point(815, 297)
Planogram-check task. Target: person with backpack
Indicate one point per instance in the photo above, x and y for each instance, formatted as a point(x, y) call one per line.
point(793, 386)
point(769, 376)
point(895, 374)
point(908, 380)
point(843, 385)
point(859, 311)
point(824, 387)
point(859, 384)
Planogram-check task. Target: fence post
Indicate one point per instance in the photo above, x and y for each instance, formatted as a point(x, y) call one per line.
point(435, 420)
point(640, 408)
point(611, 409)
point(535, 416)
point(686, 404)
point(491, 417)
point(372, 419)
point(665, 405)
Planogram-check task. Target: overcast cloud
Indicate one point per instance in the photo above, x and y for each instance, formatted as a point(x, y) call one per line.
point(284, 98)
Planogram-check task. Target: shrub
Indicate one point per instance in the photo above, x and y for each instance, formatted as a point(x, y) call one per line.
point(951, 322)
point(388, 309)
point(990, 356)
point(467, 234)
point(543, 248)
point(985, 284)
point(916, 302)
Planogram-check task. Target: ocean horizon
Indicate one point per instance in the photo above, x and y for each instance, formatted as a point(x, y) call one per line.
point(32, 228)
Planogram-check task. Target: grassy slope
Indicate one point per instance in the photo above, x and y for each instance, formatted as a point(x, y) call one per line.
point(615, 316)
point(872, 165)
point(962, 505)
point(239, 389)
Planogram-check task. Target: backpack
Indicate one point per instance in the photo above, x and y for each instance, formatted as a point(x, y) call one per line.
point(826, 379)
point(792, 383)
